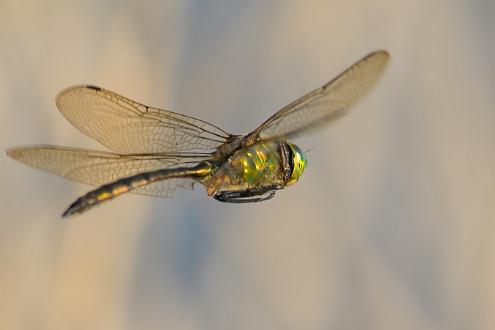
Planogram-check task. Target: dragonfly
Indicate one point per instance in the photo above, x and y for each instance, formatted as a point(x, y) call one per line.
point(154, 152)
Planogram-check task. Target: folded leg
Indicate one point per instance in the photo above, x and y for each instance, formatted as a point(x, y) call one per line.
point(247, 196)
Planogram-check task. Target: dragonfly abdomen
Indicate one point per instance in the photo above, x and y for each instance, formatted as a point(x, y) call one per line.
point(124, 185)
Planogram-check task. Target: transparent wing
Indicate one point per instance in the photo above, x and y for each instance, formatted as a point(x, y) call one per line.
point(98, 167)
point(327, 102)
point(127, 127)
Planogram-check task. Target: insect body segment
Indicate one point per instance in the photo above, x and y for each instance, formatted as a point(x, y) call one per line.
point(119, 187)
point(253, 168)
point(258, 162)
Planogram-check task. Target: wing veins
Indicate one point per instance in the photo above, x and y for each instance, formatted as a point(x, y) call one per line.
point(100, 167)
point(127, 126)
point(325, 103)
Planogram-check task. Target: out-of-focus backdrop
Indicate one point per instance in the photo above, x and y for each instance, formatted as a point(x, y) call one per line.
point(391, 227)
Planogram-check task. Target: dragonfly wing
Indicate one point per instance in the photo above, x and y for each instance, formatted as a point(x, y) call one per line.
point(326, 103)
point(98, 167)
point(126, 126)
point(165, 188)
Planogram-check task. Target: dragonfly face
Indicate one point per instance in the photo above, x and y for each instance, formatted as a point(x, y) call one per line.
point(155, 151)
point(298, 160)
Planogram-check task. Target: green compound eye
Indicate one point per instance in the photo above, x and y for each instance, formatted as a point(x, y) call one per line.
point(299, 161)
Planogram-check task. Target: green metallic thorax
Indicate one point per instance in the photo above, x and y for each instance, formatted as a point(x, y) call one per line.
point(258, 163)
point(254, 166)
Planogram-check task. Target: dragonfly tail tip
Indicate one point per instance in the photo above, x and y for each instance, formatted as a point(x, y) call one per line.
point(71, 210)
point(67, 213)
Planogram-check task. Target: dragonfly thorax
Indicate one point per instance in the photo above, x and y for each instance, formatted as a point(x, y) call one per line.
point(271, 163)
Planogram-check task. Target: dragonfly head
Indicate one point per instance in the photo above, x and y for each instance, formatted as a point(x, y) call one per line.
point(298, 162)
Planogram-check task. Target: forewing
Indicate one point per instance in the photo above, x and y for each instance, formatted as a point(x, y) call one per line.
point(326, 103)
point(128, 127)
point(97, 167)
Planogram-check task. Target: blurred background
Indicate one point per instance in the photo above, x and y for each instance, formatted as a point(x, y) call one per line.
point(391, 226)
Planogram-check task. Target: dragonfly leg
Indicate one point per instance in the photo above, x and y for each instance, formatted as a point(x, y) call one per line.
point(247, 196)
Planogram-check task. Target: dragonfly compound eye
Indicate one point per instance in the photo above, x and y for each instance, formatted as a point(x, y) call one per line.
point(299, 162)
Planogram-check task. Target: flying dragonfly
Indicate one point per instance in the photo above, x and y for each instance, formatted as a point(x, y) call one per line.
point(156, 151)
